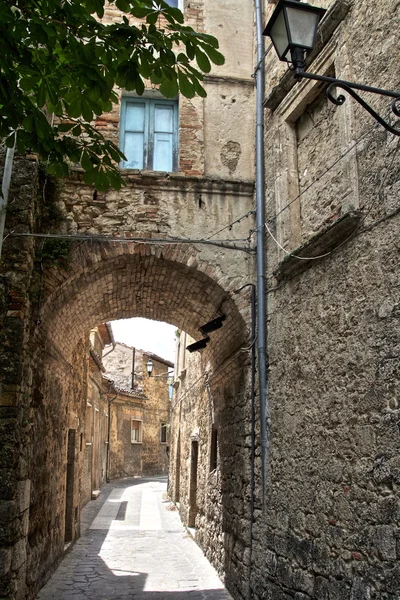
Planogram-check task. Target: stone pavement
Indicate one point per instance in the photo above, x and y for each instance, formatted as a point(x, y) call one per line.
point(134, 546)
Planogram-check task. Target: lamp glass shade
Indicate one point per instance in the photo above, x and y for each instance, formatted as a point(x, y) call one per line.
point(149, 366)
point(279, 35)
point(293, 24)
point(302, 27)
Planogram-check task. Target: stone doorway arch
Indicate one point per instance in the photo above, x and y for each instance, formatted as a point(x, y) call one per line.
point(108, 281)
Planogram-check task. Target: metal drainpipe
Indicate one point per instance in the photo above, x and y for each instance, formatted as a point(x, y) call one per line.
point(253, 418)
point(5, 188)
point(261, 259)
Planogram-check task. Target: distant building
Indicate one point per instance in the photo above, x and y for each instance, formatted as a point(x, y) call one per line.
point(127, 413)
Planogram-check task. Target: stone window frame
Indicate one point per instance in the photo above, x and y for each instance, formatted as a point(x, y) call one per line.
point(286, 187)
point(140, 429)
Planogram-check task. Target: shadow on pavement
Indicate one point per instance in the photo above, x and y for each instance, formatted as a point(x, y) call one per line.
point(98, 568)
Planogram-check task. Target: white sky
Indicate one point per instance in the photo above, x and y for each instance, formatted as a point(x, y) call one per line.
point(144, 334)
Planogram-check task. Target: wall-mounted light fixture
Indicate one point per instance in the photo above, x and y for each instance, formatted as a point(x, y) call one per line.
point(198, 345)
point(292, 29)
point(212, 325)
point(149, 367)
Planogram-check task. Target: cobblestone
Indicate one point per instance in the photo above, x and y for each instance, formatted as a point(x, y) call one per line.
point(147, 555)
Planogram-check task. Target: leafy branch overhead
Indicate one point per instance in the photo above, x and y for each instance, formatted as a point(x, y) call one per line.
point(59, 65)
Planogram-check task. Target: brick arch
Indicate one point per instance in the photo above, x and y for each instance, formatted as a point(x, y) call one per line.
point(114, 281)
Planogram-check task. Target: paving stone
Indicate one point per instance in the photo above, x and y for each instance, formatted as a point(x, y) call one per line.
point(129, 561)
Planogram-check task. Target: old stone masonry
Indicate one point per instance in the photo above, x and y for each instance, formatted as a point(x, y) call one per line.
point(289, 482)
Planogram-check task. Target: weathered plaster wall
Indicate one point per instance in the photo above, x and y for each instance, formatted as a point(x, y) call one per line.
point(125, 457)
point(216, 133)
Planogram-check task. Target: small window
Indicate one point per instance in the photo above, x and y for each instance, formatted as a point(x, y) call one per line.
point(176, 3)
point(136, 431)
point(149, 134)
point(163, 436)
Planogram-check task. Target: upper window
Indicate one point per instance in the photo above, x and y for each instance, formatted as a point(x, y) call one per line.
point(136, 431)
point(149, 134)
point(176, 3)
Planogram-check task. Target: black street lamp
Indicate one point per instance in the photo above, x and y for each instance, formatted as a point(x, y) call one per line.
point(292, 29)
point(149, 366)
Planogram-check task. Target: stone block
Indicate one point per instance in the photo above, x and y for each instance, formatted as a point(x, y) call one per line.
point(5, 560)
point(23, 494)
point(19, 554)
point(385, 542)
point(360, 590)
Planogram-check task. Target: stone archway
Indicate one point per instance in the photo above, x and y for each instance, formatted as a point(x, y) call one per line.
point(106, 282)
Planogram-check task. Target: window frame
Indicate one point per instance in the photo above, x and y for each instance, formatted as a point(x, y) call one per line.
point(140, 429)
point(180, 4)
point(163, 428)
point(150, 103)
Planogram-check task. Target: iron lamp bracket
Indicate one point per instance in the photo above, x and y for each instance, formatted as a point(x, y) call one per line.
point(349, 87)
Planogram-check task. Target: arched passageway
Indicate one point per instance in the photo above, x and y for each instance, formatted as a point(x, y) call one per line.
point(103, 283)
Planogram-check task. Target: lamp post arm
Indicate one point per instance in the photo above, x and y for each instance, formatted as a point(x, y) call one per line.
point(300, 74)
point(349, 87)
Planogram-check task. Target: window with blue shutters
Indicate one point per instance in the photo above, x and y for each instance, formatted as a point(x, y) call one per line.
point(149, 134)
point(176, 3)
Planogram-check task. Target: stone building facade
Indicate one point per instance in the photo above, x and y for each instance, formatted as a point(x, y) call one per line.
point(140, 413)
point(324, 525)
point(126, 420)
point(53, 293)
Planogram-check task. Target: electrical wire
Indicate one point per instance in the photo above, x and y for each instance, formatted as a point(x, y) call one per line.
point(251, 212)
point(228, 244)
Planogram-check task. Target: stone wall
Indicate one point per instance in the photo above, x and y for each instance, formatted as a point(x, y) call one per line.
point(210, 475)
point(15, 380)
point(85, 283)
point(331, 518)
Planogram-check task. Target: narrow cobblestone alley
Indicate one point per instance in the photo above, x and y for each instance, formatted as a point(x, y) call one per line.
point(134, 546)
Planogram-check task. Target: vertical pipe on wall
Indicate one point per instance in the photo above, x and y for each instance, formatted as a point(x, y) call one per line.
point(133, 369)
point(261, 258)
point(253, 424)
point(253, 419)
point(5, 188)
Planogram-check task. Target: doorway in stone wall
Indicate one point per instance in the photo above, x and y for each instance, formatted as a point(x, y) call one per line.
point(193, 484)
point(178, 469)
point(69, 487)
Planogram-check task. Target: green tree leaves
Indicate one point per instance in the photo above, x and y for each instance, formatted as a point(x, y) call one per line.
point(59, 65)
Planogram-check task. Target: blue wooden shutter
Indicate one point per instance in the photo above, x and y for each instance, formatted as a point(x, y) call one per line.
point(134, 143)
point(164, 134)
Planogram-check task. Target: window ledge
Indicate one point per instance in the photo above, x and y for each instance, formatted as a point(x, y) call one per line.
point(329, 24)
point(136, 443)
point(321, 243)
